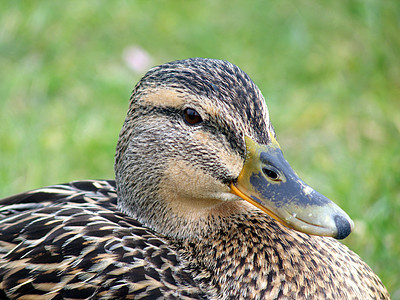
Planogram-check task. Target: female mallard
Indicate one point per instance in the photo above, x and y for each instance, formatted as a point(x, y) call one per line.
point(201, 189)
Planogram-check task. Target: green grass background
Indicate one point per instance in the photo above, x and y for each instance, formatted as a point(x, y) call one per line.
point(330, 71)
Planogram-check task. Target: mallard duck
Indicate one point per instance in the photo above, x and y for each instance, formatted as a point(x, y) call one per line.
point(203, 206)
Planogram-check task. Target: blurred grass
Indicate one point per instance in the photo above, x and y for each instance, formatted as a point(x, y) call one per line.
point(330, 72)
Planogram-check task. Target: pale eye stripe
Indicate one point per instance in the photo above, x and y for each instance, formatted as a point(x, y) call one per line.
point(163, 98)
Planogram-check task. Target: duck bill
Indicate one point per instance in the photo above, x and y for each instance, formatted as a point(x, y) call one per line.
point(268, 182)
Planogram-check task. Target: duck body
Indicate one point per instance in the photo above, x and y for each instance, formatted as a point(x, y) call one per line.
point(74, 243)
point(70, 242)
point(195, 212)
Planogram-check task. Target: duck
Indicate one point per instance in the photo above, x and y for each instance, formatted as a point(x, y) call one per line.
point(203, 206)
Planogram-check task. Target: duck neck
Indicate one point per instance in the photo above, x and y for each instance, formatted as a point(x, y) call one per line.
point(176, 220)
point(237, 255)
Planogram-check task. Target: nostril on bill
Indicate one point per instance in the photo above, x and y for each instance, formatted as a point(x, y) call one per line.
point(270, 173)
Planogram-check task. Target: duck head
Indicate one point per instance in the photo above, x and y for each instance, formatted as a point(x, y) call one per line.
point(197, 143)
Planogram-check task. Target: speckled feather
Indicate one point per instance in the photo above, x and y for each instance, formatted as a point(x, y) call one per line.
point(167, 235)
point(76, 244)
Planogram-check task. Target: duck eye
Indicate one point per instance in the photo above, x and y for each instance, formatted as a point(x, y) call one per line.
point(191, 116)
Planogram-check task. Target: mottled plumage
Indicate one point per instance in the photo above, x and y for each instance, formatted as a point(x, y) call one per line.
point(76, 244)
point(171, 225)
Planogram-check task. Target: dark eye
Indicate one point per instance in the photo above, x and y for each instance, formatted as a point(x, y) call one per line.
point(192, 117)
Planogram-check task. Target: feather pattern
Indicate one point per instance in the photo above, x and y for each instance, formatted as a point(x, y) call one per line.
point(76, 244)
